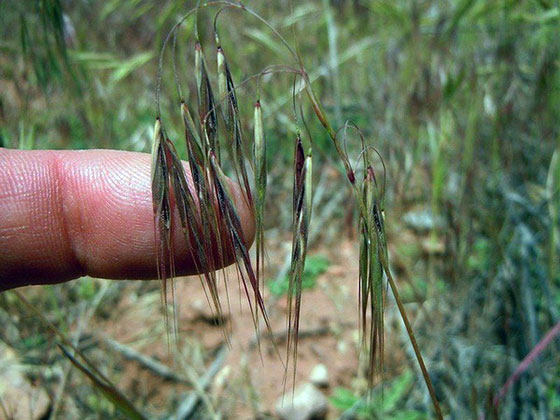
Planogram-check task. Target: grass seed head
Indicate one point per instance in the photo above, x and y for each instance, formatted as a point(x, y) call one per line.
point(259, 157)
point(211, 206)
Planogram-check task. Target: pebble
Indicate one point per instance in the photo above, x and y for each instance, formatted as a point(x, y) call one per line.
point(308, 403)
point(320, 376)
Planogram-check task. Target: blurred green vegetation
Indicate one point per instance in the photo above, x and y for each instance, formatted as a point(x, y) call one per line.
point(315, 265)
point(462, 99)
point(383, 402)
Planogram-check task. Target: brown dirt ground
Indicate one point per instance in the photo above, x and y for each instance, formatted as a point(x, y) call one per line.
point(247, 386)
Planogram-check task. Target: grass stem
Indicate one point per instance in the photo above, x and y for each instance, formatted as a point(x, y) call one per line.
point(412, 338)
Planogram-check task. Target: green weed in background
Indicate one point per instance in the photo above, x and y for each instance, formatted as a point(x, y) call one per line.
point(385, 402)
point(314, 267)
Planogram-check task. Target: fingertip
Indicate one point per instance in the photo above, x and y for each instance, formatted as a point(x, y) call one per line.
point(96, 210)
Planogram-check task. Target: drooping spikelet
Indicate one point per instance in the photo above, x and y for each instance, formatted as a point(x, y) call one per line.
point(302, 204)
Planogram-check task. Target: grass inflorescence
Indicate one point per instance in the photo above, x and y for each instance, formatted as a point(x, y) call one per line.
point(207, 210)
point(461, 99)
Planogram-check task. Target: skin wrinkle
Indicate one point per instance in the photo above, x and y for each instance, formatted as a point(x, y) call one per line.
point(81, 182)
point(110, 214)
point(75, 239)
point(66, 213)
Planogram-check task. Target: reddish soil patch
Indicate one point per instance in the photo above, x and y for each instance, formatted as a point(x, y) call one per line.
point(249, 382)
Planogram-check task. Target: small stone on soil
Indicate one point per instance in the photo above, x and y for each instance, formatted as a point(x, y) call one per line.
point(320, 376)
point(307, 403)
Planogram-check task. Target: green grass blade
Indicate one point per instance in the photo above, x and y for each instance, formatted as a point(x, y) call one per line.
point(97, 377)
point(107, 390)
